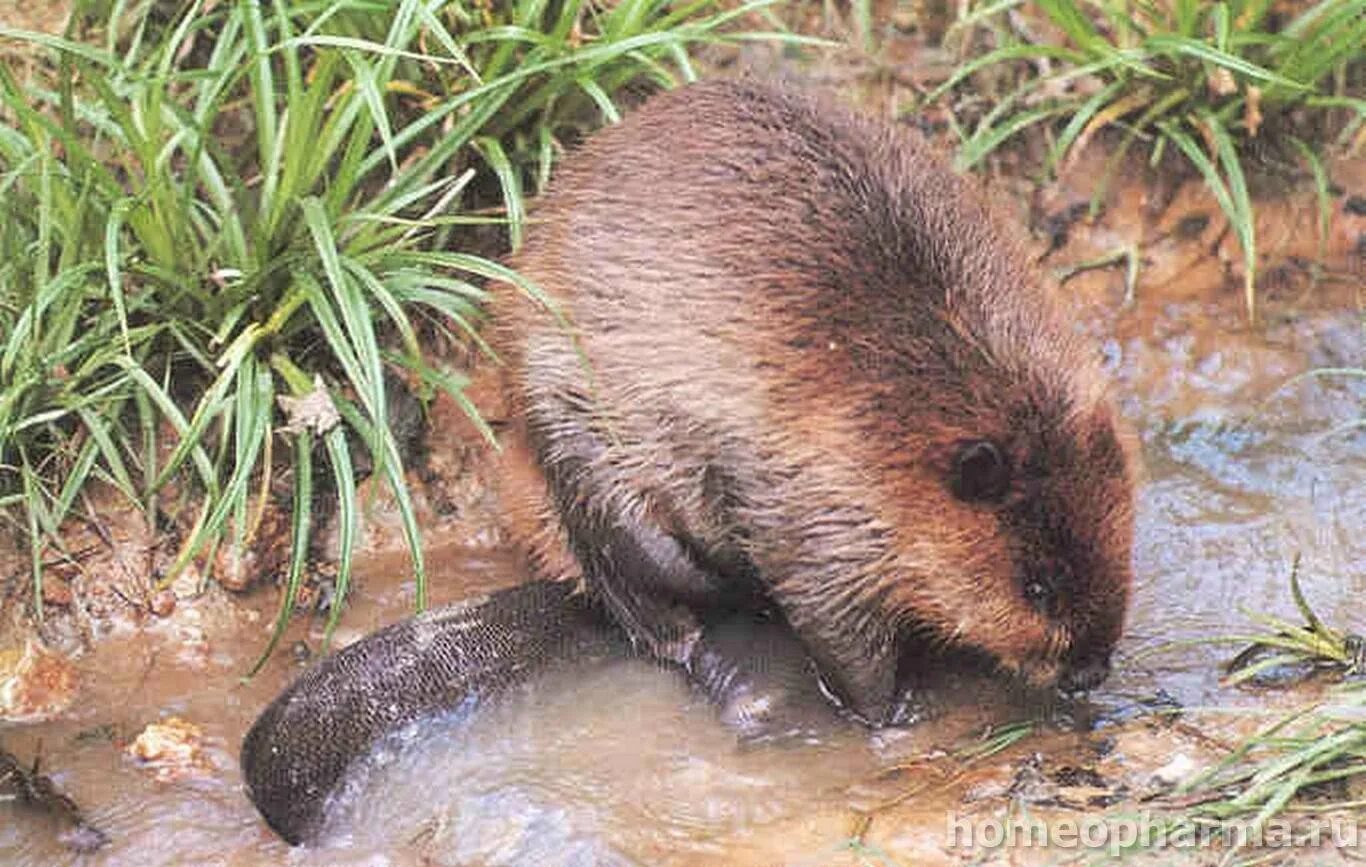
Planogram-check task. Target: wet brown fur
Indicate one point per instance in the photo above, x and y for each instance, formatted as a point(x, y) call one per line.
point(783, 320)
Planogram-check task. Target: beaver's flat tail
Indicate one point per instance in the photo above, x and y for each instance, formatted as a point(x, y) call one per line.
point(301, 747)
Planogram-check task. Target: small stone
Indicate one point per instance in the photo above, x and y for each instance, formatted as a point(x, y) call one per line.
point(186, 584)
point(163, 602)
point(36, 684)
point(232, 569)
point(1173, 772)
point(171, 749)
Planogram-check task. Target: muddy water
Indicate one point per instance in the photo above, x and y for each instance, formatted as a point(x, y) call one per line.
point(1244, 473)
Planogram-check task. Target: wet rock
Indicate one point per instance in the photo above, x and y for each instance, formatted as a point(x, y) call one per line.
point(35, 684)
point(1072, 776)
point(1174, 771)
point(1031, 784)
point(1080, 787)
point(171, 750)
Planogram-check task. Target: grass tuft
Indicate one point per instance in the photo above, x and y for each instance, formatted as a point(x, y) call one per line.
point(1309, 763)
point(209, 213)
point(1212, 80)
point(1312, 645)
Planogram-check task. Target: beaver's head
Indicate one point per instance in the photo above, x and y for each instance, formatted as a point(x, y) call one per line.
point(1003, 499)
point(1024, 495)
point(1005, 487)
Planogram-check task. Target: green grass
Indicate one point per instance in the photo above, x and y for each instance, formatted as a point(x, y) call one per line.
point(1291, 760)
point(1205, 79)
point(1309, 762)
point(1305, 769)
point(1313, 644)
point(1277, 646)
point(209, 210)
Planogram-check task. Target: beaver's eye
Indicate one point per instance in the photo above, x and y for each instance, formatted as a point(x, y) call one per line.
point(1041, 586)
point(1038, 594)
point(980, 472)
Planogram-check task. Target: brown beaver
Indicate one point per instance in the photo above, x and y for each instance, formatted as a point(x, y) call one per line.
point(793, 360)
point(799, 404)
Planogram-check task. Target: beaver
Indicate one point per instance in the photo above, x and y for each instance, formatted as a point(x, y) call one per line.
point(795, 415)
point(786, 357)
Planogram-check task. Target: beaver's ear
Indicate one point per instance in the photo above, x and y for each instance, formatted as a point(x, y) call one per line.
point(981, 472)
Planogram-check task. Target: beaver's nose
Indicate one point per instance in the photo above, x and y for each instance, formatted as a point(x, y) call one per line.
point(1085, 674)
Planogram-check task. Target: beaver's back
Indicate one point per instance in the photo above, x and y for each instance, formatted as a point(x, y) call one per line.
point(732, 250)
